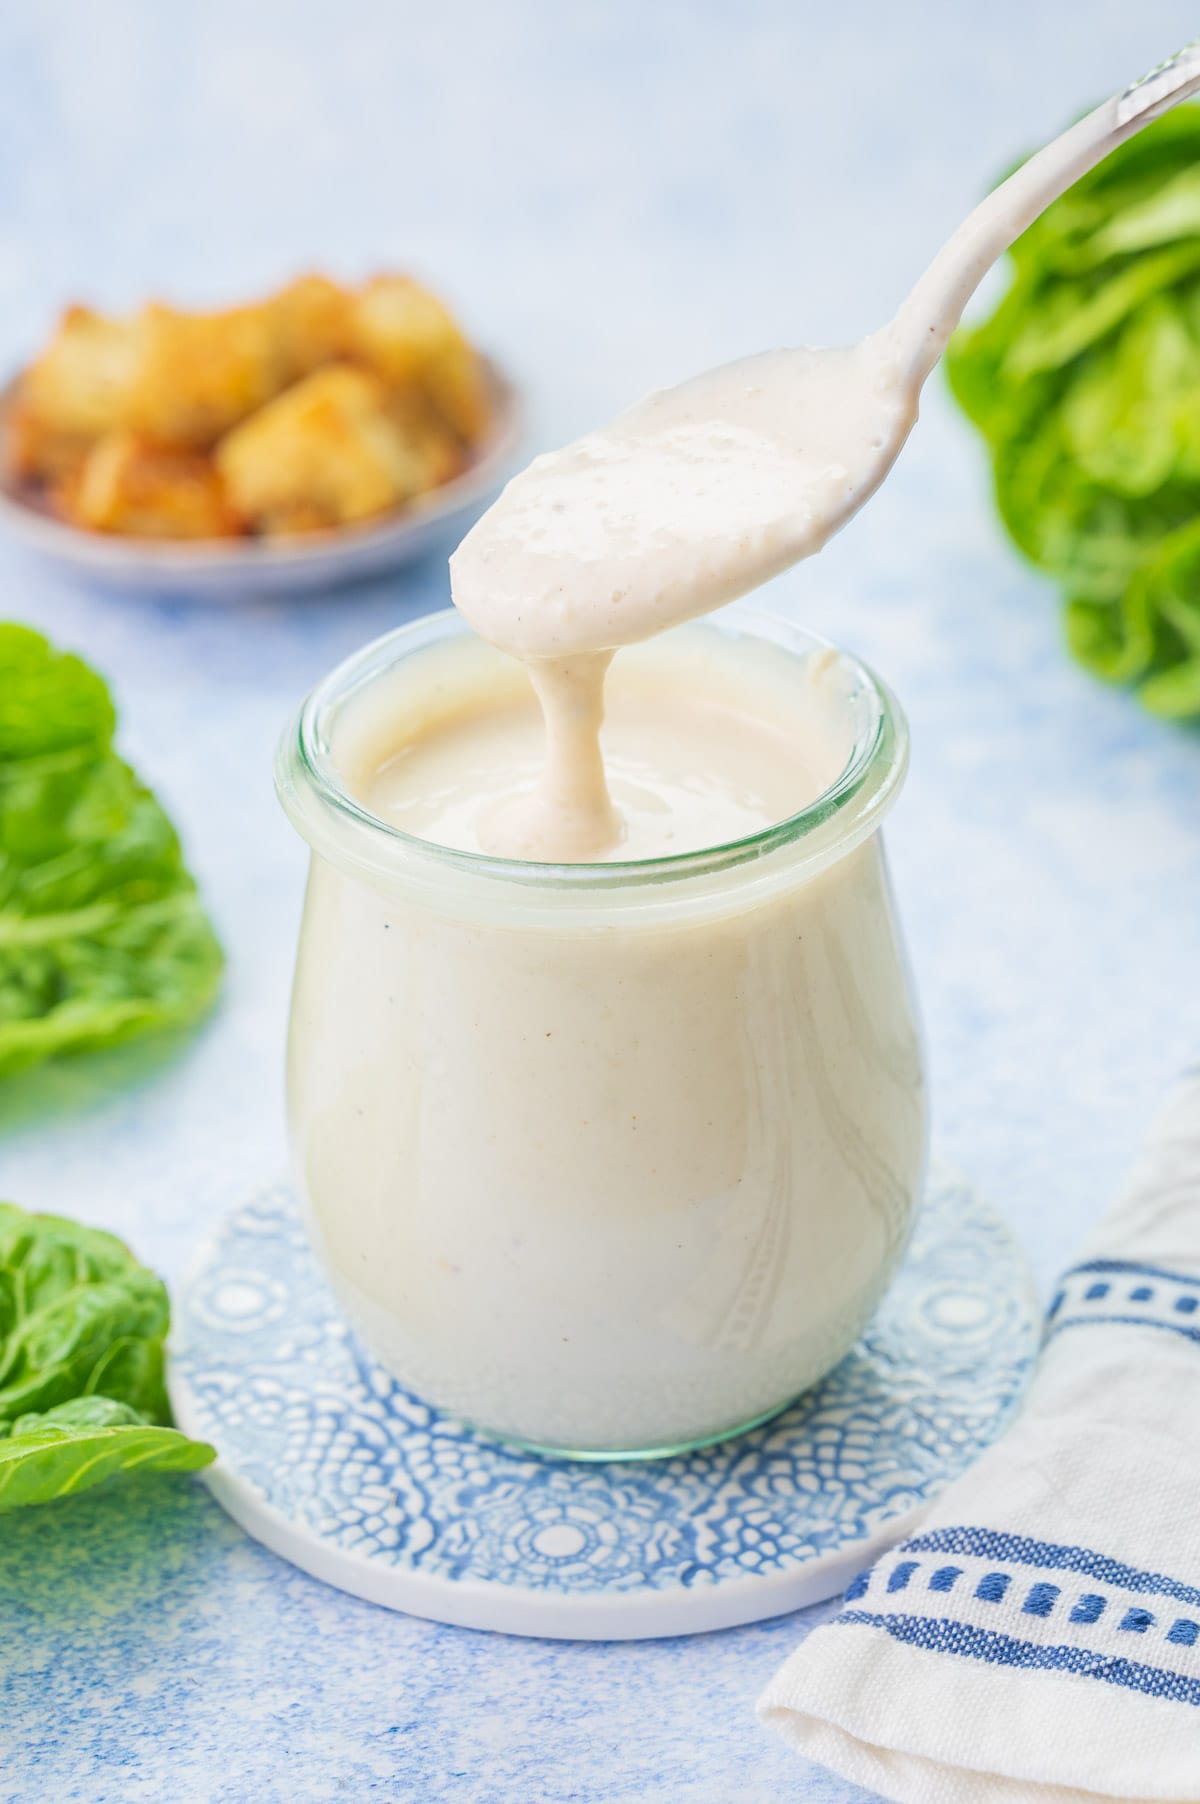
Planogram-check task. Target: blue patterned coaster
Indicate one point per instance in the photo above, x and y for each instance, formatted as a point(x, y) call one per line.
point(329, 1462)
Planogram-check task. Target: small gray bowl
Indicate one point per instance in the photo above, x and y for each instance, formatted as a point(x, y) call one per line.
point(235, 570)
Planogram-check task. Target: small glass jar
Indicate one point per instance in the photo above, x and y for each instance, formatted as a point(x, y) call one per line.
point(617, 1159)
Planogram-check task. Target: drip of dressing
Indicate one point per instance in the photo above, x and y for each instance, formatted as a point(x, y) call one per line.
point(705, 740)
point(693, 497)
point(703, 491)
point(568, 815)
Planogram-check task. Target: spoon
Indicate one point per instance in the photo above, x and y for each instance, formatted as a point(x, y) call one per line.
point(702, 492)
point(933, 309)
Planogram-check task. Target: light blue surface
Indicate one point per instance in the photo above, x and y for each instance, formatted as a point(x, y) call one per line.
point(617, 194)
point(377, 1491)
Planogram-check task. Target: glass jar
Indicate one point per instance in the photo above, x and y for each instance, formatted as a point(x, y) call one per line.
point(609, 1159)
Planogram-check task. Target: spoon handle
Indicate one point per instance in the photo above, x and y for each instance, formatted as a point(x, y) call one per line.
point(933, 309)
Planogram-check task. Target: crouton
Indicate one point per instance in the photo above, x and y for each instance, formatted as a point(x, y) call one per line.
point(412, 340)
point(198, 374)
point(75, 390)
point(312, 318)
point(325, 453)
point(127, 485)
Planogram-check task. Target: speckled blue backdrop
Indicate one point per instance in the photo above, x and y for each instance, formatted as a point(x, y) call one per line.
point(617, 194)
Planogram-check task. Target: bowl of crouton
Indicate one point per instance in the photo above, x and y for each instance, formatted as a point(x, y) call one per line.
point(324, 434)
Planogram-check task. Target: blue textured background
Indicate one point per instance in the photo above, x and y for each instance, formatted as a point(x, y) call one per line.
point(616, 194)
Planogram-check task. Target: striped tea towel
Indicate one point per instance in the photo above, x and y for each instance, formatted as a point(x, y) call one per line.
point(1039, 1640)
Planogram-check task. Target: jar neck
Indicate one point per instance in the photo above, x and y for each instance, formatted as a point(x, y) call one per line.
point(340, 830)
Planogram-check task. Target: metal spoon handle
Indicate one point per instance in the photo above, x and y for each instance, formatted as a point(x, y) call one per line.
point(933, 309)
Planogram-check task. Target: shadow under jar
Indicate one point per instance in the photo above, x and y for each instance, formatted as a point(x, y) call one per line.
point(609, 1159)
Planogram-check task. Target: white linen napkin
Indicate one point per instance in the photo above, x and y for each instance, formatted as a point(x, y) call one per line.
point(1038, 1641)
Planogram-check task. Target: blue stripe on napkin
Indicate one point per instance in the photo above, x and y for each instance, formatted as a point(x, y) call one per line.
point(943, 1636)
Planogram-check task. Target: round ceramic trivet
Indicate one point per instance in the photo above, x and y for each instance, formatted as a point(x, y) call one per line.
point(325, 1459)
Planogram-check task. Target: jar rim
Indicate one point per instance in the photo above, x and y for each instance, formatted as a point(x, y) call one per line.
point(871, 774)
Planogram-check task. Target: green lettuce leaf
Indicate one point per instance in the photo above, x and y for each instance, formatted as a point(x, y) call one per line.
point(82, 1327)
point(80, 1444)
point(102, 935)
point(1085, 382)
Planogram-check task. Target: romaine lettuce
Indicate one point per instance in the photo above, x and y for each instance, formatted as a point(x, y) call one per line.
point(1085, 382)
point(82, 1326)
point(101, 933)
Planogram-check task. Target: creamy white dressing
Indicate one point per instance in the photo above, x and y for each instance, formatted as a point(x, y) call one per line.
point(691, 498)
point(688, 500)
point(608, 1162)
point(704, 743)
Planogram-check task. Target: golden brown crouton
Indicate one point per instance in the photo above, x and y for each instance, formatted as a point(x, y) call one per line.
point(441, 452)
point(35, 452)
point(78, 388)
point(325, 453)
point(80, 385)
point(198, 374)
point(130, 486)
point(411, 338)
point(312, 318)
point(322, 405)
